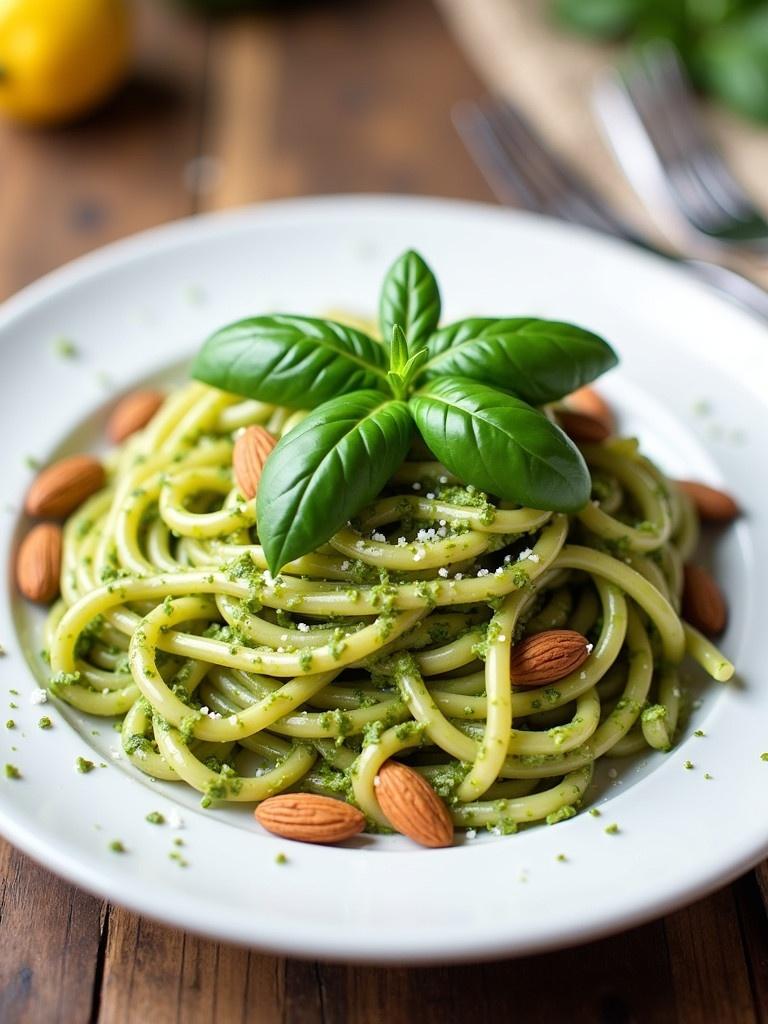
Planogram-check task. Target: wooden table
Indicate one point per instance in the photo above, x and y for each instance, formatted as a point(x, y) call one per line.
point(344, 97)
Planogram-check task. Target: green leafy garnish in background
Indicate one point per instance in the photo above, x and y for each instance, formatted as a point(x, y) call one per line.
point(470, 389)
point(723, 43)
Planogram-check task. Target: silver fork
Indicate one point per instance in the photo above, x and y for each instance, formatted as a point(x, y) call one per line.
point(652, 122)
point(523, 171)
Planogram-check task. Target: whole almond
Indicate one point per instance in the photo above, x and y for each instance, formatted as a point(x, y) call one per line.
point(703, 602)
point(582, 428)
point(252, 448)
point(38, 563)
point(63, 486)
point(133, 412)
point(548, 656)
point(713, 506)
point(590, 402)
point(412, 806)
point(309, 818)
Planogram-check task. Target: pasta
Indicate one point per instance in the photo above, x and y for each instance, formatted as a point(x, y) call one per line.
point(392, 640)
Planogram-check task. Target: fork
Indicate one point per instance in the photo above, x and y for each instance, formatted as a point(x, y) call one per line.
point(522, 171)
point(650, 118)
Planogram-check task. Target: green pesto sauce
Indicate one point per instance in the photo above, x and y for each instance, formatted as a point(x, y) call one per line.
point(562, 814)
point(655, 713)
point(65, 348)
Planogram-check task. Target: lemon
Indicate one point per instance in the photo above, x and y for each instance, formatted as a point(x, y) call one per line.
point(60, 58)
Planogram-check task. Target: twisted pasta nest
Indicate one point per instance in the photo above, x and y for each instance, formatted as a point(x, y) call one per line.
point(392, 640)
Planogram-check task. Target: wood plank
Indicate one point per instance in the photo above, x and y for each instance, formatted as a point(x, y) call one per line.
point(709, 969)
point(66, 190)
point(49, 944)
point(604, 981)
point(325, 101)
point(160, 974)
point(750, 900)
point(157, 970)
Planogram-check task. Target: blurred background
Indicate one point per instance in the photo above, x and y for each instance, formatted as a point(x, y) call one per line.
point(121, 114)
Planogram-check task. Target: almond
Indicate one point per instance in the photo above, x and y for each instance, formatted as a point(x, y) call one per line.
point(63, 486)
point(132, 413)
point(591, 403)
point(703, 602)
point(38, 563)
point(582, 428)
point(309, 818)
point(713, 506)
point(412, 806)
point(251, 451)
point(548, 656)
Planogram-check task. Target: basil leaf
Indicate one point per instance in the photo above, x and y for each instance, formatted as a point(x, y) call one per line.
point(732, 63)
point(538, 360)
point(326, 469)
point(501, 445)
point(296, 361)
point(607, 19)
point(410, 298)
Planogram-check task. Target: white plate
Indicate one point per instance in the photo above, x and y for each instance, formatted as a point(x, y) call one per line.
point(693, 382)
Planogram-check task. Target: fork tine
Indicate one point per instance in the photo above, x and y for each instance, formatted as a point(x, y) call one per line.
point(674, 99)
point(651, 90)
point(565, 193)
point(513, 162)
point(705, 188)
point(520, 167)
point(480, 139)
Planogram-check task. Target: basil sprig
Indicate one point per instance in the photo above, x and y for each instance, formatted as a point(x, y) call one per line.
point(470, 388)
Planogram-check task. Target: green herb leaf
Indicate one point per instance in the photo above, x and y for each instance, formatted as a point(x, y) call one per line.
point(410, 298)
point(608, 19)
point(538, 360)
point(732, 63)
point(296, 361)
point(501, 445)
point(327, 469)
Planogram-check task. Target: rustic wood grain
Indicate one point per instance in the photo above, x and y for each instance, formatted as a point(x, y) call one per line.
point(750, 901)
point(605, 981)
point(710, 977)
point(49, 944)
point(341, 97)
point(157, 973)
